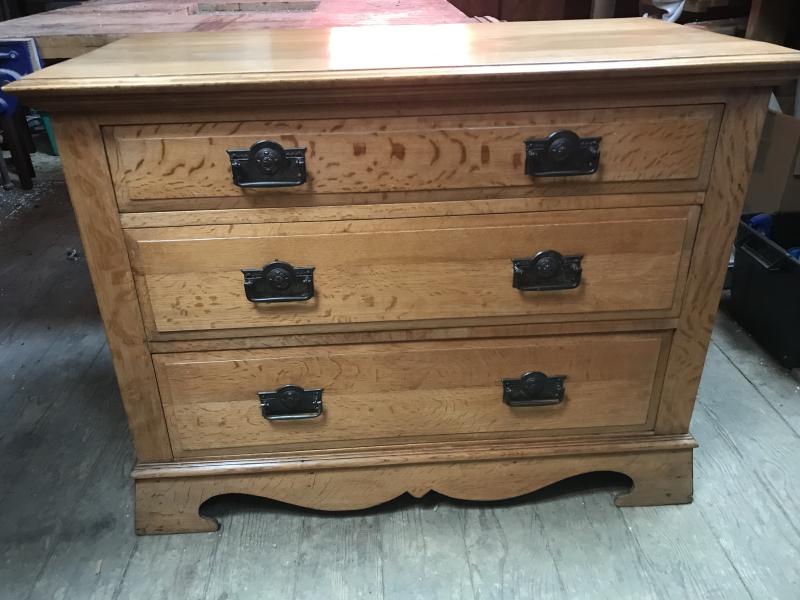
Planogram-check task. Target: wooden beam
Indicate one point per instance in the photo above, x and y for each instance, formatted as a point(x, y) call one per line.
point(769, 21)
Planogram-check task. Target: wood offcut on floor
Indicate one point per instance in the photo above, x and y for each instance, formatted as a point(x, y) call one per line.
point(66, 524)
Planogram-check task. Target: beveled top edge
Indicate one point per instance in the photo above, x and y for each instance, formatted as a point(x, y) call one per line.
point(403, 55)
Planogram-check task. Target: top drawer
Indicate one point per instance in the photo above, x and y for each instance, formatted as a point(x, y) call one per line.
point(174, 166)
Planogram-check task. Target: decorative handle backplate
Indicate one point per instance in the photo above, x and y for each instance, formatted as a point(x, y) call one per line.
point(279, 282)
point(534, 389)
point(547, 270)
point(267, 164)
point(563, 153)
point(290, 403)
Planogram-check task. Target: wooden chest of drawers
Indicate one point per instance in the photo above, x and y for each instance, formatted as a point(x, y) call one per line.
point(337, 266)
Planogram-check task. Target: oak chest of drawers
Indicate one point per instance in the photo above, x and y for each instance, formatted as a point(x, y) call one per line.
point(336, 266)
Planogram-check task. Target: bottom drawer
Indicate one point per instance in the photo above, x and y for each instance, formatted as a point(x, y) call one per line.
point(390, 393)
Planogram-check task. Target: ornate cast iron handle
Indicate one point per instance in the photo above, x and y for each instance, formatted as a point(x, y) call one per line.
point(279, 282)
point(547, 270)
point(563, 153)
point(290, 403)
point(534, 389)
point(267, 164)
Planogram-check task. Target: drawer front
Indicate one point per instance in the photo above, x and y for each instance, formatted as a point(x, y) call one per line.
point(671, 145)
point(396, 392)
point(383, 274)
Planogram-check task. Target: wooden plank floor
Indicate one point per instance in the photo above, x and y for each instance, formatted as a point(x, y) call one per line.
point(65, 498)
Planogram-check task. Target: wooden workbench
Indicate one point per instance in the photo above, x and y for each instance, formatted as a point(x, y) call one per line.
point(72, 31)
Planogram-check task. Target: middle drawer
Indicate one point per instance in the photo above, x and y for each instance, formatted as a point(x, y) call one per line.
point(395, 273)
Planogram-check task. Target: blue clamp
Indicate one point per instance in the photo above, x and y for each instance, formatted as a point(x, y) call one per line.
point(762, 223)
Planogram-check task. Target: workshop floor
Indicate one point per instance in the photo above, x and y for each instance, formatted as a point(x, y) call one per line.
point(66, 529)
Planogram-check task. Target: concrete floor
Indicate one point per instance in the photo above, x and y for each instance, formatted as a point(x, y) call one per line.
point(66, 528)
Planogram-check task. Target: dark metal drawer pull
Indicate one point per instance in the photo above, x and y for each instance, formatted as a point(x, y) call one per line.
point(279, 282)
point(547, 270)
point(534, 389)
point(290, 403)
point(563, 153)
point(267, 164)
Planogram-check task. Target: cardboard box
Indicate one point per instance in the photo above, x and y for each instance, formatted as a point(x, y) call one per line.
point(775, 185)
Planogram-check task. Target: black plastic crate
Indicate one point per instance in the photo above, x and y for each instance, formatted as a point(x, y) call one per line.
point(765, 292)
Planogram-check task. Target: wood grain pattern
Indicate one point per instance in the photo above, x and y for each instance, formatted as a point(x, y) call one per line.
point(394, 208)
point(359, 107)
point(411, 153)
point(92, 196)
point(733, 163)
point(171, 505)
point(412, 335)
point(395, 391)
point(245, 337)
point(453, 451)
point(546, 194)
point(317, 61)
point(75, 30)
point(416, 270)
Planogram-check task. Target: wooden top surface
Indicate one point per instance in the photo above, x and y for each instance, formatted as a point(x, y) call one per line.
point(75, 30)
point(429, 54)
